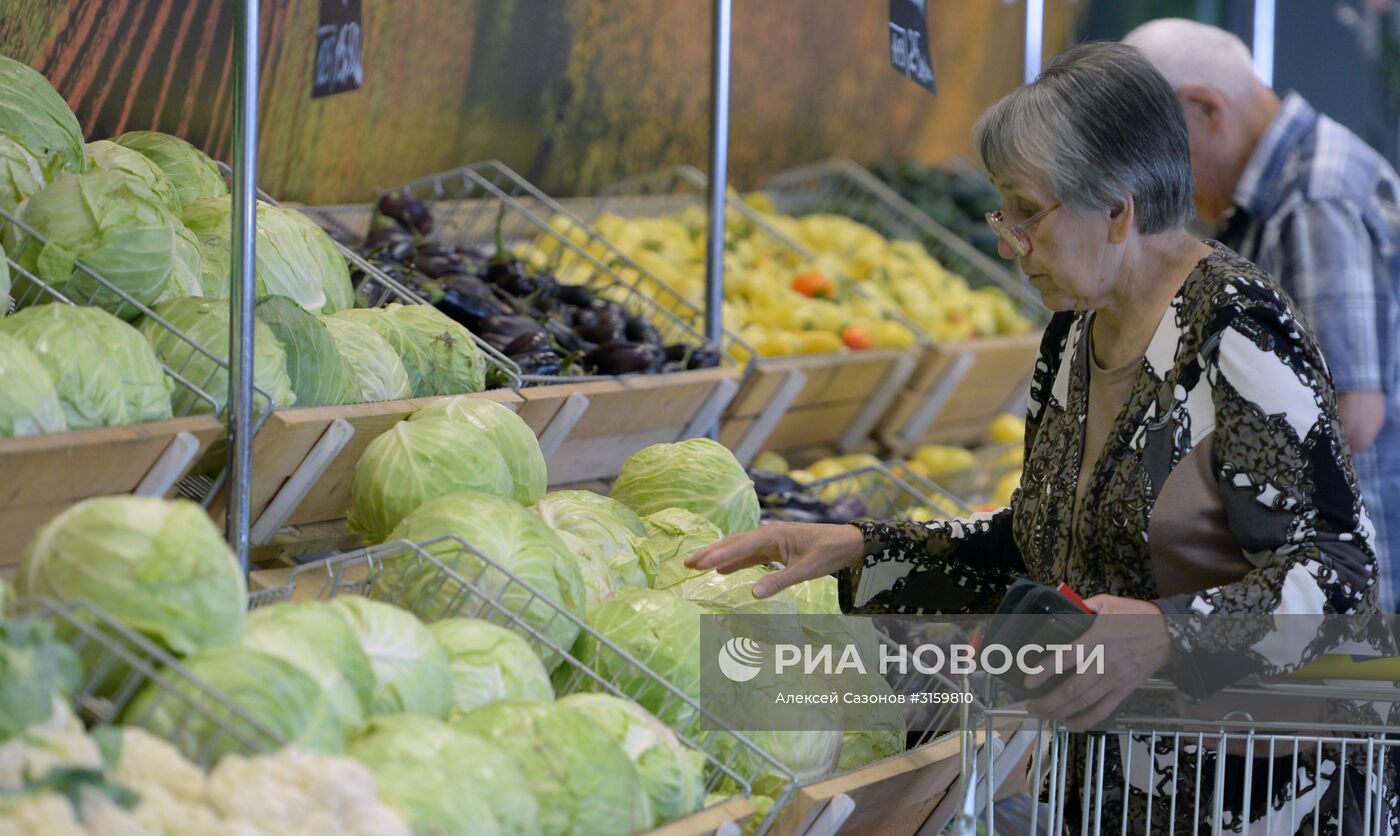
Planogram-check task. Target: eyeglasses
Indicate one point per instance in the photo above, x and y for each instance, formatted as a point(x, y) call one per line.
point(1015, 236)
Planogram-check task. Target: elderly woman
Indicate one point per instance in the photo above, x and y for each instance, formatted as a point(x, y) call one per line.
point(1183, 450)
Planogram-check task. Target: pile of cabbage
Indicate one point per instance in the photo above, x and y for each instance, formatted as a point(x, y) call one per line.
point(151, 214)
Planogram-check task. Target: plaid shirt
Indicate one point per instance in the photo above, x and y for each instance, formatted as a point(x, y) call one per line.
point(1319, 210)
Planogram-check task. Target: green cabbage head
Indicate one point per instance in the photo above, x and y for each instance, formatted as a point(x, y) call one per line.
point(295, 257)
point(21, 175)
point(597, 527)
point(449, 781)
point(699, 475)
point(671, 773)
point(583, 780)
point(440, 355)
point(206, 323)
point(269, 690)
point(189, 266)
point(318, 641)
point(416, 461)
point(109, 156)
point(33, 114)
point(320, 376)
point(113, 223)
point(29, 404)
point(104, 371)
point(379, 373)
point(673, 534)
point(492, 423)
point(489, 663)
point(193, 175)
point(160, 567)
point(410, 669)
point(506, 533)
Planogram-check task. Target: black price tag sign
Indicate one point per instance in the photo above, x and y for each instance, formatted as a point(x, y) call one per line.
point(338, 49)
point(909, 42)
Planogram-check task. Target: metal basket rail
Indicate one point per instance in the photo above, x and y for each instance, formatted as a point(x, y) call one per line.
point(888, 495)
point(1192, 789)
point(842, 187)
point(376, 289)
point(120, 664)
point(471, 202)
point(448, 578)
point(676, 189)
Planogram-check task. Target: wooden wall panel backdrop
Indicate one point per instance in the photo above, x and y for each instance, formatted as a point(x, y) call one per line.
point(573, 92)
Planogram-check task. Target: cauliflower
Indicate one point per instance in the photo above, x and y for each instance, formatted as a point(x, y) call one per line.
point(298, 792)
point(160, 812)
point(58, 741)
point(147, 762)
point(104, 817)
point(40, 814)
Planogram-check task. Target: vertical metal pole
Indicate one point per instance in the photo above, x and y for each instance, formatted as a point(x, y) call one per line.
point(1035, 38)
point(719, 172)
point(244, 187)
point(1263, 47)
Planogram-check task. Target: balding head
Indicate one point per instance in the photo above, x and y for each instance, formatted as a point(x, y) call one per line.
point(1187, 52)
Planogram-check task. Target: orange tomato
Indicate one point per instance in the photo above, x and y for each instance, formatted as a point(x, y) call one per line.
point(815, 285)
point(855, 337)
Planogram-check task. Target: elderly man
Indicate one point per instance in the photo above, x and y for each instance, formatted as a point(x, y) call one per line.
point(1313, 205)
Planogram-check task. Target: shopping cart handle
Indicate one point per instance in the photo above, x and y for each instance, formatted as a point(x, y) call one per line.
point(1344, 666)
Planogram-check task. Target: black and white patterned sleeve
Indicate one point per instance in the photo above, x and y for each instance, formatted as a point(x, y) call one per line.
point(1291, 498)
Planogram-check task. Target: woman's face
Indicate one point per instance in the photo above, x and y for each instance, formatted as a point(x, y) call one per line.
point(1069, 251)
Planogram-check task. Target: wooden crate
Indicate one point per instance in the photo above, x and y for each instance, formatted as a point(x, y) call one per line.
point(957, 390)
point(823, 399)
point(710, 820)
point(42, 475)
point(619, 416)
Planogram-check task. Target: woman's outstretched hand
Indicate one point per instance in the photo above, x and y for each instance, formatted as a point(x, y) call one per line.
point(806, 550)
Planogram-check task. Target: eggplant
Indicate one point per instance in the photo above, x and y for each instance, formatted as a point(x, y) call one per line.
point(496, 340)
point(604, 333)
point(511, 276)
point(706, 356)
point(795, 515)
point(392, 243)
point(677, 352)
point(467, 308)
point(436, 265)
point(768, 483)
point(539, 363)
point(528, 343)
point(574, 295)
point(567, 338)
point(848, 508)
point(428, 248)
point(509, 325)
point(638, 330)
point(625, 358)
point(411, 213)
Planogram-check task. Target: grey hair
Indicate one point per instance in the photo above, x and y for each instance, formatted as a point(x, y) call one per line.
point(1099, 125)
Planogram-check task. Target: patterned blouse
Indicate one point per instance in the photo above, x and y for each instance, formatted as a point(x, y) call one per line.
point(1228, 358)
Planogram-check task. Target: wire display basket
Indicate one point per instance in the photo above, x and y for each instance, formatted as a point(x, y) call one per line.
point(448, 578)
point(481, 204)
point(120, 665)
point(375, 289)
point(844, 188)
point(887, 495)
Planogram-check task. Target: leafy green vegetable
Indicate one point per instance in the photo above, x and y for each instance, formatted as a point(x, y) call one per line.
point(21, 175)
point(193, 175)
point(507, 534)
point(29, 404)
point(317, 641)
point(733, 593)
point(114, 224)
point(378, 371)
point(109, 156)
point(269, 690)
point(597, 527)
point(206, 323)
point(104, 371)
point(659, 630)
point(295, 257)
point(160, 567)
point(671, 773)
point(673, 534)
point(698, 475)
point(410, 670)
point(416, 461)
point(189, 266)
point(582, 779)
point(34, 667)
point(492, 423)
point(447, 780)
point(489, 663)
point(320, 376)
point(33, 114)
point(440, 355)
point(819, 596)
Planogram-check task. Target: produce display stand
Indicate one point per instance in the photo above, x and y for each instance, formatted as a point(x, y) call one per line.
point(888, 495)
point(44, 474)
point(129, 665)
point(957, 387)
point(448, 578)
point(784, 402)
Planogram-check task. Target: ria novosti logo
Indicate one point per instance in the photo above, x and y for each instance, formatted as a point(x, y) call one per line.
point(740, 659)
